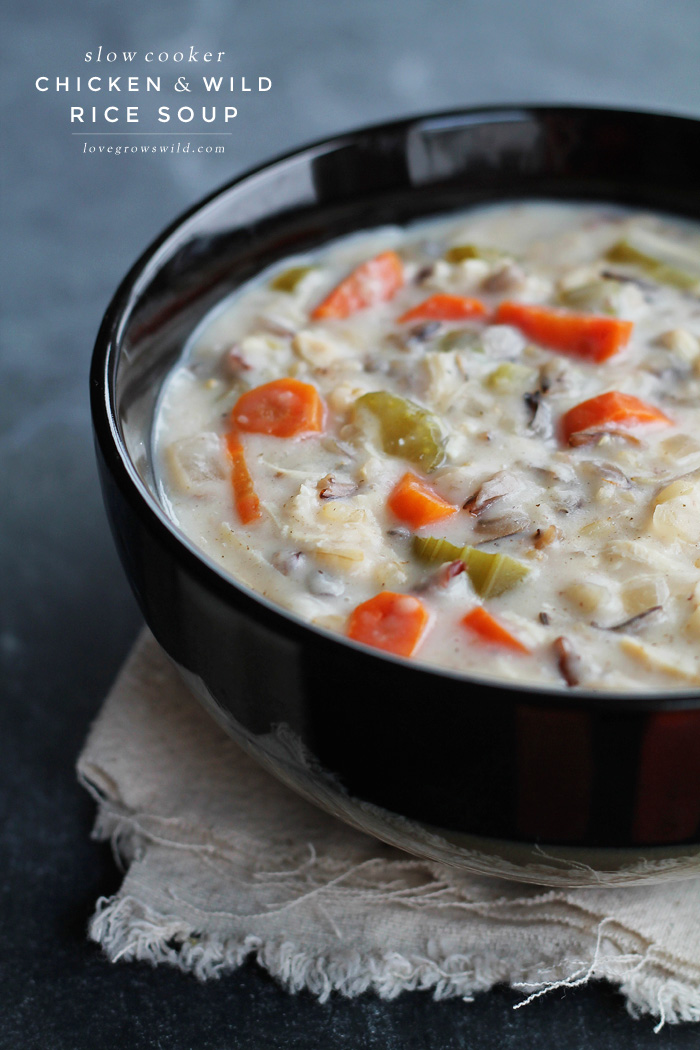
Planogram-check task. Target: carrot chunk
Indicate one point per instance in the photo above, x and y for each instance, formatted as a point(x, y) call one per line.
point(610, 411)
point(490, 630)
point(374, 281)
point(245, 497)
point(444, 308)
point(282, 408)
point(415, 502)
point(393, 622)
point(581, 335)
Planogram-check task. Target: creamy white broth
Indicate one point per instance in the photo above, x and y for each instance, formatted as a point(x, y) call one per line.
point(608, 529)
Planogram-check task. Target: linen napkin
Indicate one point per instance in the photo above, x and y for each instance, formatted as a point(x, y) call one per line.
point(221, 861)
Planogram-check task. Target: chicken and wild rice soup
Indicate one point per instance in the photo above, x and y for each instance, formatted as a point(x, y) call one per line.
point(471, 442)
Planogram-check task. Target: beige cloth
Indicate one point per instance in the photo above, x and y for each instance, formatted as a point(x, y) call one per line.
point(222, 862)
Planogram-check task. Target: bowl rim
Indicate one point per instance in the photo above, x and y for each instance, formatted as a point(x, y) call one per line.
point(108, 435)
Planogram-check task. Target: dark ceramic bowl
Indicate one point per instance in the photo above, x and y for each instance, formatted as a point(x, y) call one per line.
point(562, 788)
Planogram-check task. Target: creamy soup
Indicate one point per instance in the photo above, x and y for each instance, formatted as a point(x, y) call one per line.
point(473, 443)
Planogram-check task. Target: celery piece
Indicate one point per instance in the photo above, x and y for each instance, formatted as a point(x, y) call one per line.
point(666, 261)
point(596, 296)
point(508, 376)
point(490, 574)
point(287, 280)
point(432, 550)
point(460, 252)
point(406, 429)
point(461, 339)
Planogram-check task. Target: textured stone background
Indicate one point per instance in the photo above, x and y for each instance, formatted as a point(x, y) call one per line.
point(72, 224)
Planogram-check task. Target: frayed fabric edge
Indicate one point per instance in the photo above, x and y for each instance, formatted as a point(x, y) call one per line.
point(128, 930)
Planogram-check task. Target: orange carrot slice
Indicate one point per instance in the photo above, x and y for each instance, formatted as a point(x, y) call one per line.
point(490, 630)
point(245, 497)
point(393, 622)
point(610, 411)
point(374, 281)
point(444, 308)
point(415, 502)
point(282, 408)
point(581, 335)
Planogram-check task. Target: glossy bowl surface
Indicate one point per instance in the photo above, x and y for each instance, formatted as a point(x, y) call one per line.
point(562, 788)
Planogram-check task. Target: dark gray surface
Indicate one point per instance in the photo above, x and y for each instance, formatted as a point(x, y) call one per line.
point(72, 225)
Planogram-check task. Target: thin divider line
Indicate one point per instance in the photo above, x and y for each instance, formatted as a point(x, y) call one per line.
point(172, 134)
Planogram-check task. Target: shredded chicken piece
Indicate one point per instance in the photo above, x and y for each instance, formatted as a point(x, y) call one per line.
point(344, 534)
point(595, 437)
point(557, 375)
point(195, 462)
point(319, 350)
point(336, 487)
point(503, 342)
point(681, 342)
point(541, 421)
point(509, 278)
point(676, 513)
point(495, 488)
point(289, 563)
point(325, 584)
point(504, 525)
point(442, 578)
point(610, 473)
point(233, 363)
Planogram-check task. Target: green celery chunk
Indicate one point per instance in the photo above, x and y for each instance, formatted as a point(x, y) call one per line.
point(287, 280)
point(508, 377)
point(433, 550)
point(490, 574)
point(460, 252)
point(666, 261)
point(406, 429)
point(595, 296)
point(461, 339)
